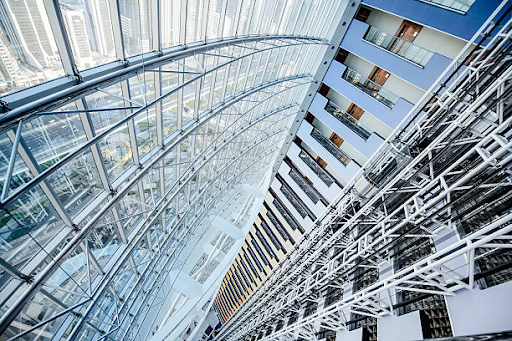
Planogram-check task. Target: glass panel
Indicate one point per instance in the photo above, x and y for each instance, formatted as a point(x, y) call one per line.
point(116, 151)
point(294, 201)
point(145, 130)
point(89, 31)
point(214, 10)
point(76, 183)
point(348, 120)
point(20, 174)
point(130, 209)
point(51, 137)
point(29, 53)
point(194, 11)
point(189, 97)
point(151, 186)
point(103, 241)
point(272, 236)
point(331, 147)
point(170, 165)
point(31, 223)
point(399, 46)
point(135, 19)
point(458, 5)
point(219, 83)
point(100, 100)
point(170, 114)
point(371, 88)
point(304, 185)
point(229, 19)
point(277, 224)
point(315, 167)
point(170, 22)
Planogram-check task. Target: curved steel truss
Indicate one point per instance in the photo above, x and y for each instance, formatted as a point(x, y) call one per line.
point(108, 194)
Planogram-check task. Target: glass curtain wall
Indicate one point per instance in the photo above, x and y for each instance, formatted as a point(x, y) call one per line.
point(102, 190)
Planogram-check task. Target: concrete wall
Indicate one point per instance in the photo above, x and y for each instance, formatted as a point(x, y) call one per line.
point(481, 311)
point(400, 328)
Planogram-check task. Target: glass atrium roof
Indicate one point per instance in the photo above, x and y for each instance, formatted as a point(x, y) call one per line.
point(129, 127)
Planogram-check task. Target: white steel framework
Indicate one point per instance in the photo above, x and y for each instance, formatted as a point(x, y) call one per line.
point(454, 143)
point(113, 177)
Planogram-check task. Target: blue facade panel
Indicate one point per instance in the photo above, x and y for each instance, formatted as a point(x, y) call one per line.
point(365, 147)
point(391, 117)
point(454, 23)
point(422, 77)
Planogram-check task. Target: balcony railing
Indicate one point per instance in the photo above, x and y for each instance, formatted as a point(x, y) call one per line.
point(306, 186)
point(371, 88)
point(315, 167)
point(461, 6)
point(347, 120)
point(403, 48)
point(331, 147)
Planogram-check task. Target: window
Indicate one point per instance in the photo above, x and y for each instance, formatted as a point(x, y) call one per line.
point(277, 224)
point(294, 199)
point(271, 235)
point(247, 270)
point(256, 260)
point(460, 6)
point(260, 252)
point(251, 266)
point(290, 220)
point(265, 244)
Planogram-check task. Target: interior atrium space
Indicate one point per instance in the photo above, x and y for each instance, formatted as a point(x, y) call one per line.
point(292, 170)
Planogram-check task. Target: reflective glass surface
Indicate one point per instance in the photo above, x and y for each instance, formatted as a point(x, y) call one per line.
point(111, 189)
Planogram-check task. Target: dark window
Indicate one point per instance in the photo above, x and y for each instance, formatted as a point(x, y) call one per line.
point(363, 14)
point(271, 234)
point(285, 213)
point(256, 260)
point(260, 252)
point(251, 266)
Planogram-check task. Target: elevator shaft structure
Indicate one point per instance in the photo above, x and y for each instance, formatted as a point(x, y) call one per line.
point(427, 217)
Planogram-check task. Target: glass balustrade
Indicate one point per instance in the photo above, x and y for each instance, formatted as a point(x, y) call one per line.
point(331, 147)
point(315, 167)
point(403, 48)
point(371, 88)
point(304, 186)
point(347, 120)
point(455, 5)
point(294, 201)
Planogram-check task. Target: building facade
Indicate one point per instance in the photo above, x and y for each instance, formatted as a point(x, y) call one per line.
point(392, 56)
point(243, 170)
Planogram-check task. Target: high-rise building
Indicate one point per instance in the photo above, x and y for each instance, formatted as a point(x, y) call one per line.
point(255, 170)
point(75, 20)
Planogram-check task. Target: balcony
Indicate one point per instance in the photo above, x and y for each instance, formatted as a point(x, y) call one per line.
point(331, 147)
point(403, 48)
point(347, 120)
point(339, 162)
point(348, 128)
point(316, 168)
point(411, 64)
point(441, 15)
point(299, 180)
point(370, 88)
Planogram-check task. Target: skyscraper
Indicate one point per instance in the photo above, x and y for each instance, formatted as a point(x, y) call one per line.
point(246, 170)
